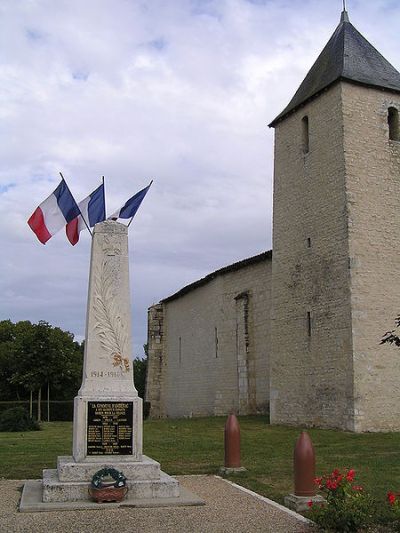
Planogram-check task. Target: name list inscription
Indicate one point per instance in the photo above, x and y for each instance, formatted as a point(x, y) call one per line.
point(109, 428)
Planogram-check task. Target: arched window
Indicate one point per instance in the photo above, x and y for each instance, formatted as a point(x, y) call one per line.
point(393, 121)
point(305, 135)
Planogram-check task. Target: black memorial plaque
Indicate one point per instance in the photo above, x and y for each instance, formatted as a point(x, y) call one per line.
point(109, 428)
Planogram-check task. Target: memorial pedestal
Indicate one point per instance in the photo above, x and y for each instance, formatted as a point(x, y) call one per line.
point(107, 433)
point(71, 481)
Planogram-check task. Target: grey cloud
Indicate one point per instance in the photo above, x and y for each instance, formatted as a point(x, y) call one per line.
point(181, 92)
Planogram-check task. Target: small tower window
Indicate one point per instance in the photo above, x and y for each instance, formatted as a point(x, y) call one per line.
point(305, 135)
point(393, 121)
point(309, 323)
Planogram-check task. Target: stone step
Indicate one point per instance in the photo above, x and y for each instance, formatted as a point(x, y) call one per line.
point(70, 470)
point(55, 490)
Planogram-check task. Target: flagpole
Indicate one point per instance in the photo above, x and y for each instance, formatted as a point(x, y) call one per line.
point(130, 222)
point(83, 218)
point(104, 199)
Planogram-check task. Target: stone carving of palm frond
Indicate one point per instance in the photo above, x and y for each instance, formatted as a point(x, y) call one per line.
point(109, 326)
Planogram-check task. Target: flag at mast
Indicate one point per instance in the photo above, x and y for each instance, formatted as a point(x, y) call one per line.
point(129, 209)
point(53, 213)
point(92, 210)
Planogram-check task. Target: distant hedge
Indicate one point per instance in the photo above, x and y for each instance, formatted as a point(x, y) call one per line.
point(17, 419)
point(61, 411)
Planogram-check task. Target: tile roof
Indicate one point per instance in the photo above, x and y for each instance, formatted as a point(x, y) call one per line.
point(347, 56)
point(264, 256)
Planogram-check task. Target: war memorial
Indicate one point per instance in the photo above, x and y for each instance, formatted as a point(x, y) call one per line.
point(107, 429)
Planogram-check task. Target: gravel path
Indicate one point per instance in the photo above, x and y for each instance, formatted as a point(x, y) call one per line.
point(228, 509)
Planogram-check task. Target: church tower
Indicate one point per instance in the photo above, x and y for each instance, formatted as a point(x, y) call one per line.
point(336, 242)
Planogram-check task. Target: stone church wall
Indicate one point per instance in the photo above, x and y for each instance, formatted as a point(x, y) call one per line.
point(373, 192)
point(214, 352)
point(311, 365)
point(335, 264)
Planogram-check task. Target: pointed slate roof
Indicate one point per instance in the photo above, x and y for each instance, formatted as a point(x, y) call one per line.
point(347, 56)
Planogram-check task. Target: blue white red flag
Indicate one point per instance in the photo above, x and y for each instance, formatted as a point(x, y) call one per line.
point(128, 210)
point(52, 214)
point(92, 210)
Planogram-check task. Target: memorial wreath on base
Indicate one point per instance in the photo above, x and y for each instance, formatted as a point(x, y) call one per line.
point(108, 491)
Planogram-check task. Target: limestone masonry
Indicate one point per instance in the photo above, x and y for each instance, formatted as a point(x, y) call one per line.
point(301, 332)
point(209, 347)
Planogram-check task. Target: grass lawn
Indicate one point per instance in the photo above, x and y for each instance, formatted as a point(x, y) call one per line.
point(195, 446)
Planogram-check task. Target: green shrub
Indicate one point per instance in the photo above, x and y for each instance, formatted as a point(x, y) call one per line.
point(347, 508)
point(17, 419)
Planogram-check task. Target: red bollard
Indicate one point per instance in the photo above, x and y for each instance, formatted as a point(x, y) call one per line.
point(304, 466)
point(232, 442)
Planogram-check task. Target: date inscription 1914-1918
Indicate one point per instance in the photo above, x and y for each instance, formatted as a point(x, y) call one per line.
point(109, 428)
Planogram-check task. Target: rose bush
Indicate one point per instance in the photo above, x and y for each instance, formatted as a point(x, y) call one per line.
point(348, 507)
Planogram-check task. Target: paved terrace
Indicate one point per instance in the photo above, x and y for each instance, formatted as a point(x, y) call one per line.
point(228, 509)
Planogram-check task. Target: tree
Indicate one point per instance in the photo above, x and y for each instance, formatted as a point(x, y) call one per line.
point(15, 340)
point(36, 355)
point(139, 372)
point(7, 390)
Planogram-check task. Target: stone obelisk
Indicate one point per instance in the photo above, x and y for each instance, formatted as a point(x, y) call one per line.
point(107, 410)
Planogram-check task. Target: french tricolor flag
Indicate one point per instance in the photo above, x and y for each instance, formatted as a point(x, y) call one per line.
point(52, 214)
point(128, 210)
point(92, 211)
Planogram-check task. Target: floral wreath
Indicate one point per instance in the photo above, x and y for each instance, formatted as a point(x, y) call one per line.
point(97, 479)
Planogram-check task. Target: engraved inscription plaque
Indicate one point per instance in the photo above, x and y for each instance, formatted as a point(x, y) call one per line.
point(109, 428)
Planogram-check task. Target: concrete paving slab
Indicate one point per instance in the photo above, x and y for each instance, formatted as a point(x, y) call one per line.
point(228, 509)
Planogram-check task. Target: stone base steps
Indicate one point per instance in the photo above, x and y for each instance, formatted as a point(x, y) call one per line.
point(70, 470)
point(32, 501)
point(55, 490)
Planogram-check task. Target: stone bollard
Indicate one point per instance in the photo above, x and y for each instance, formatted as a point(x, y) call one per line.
point(304, 475)
point(232, 446)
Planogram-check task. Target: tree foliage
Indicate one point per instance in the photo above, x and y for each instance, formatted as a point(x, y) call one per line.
point(139, 372)
point(36, 355)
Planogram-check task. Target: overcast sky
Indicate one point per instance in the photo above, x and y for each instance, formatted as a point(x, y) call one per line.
point(176, 90)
